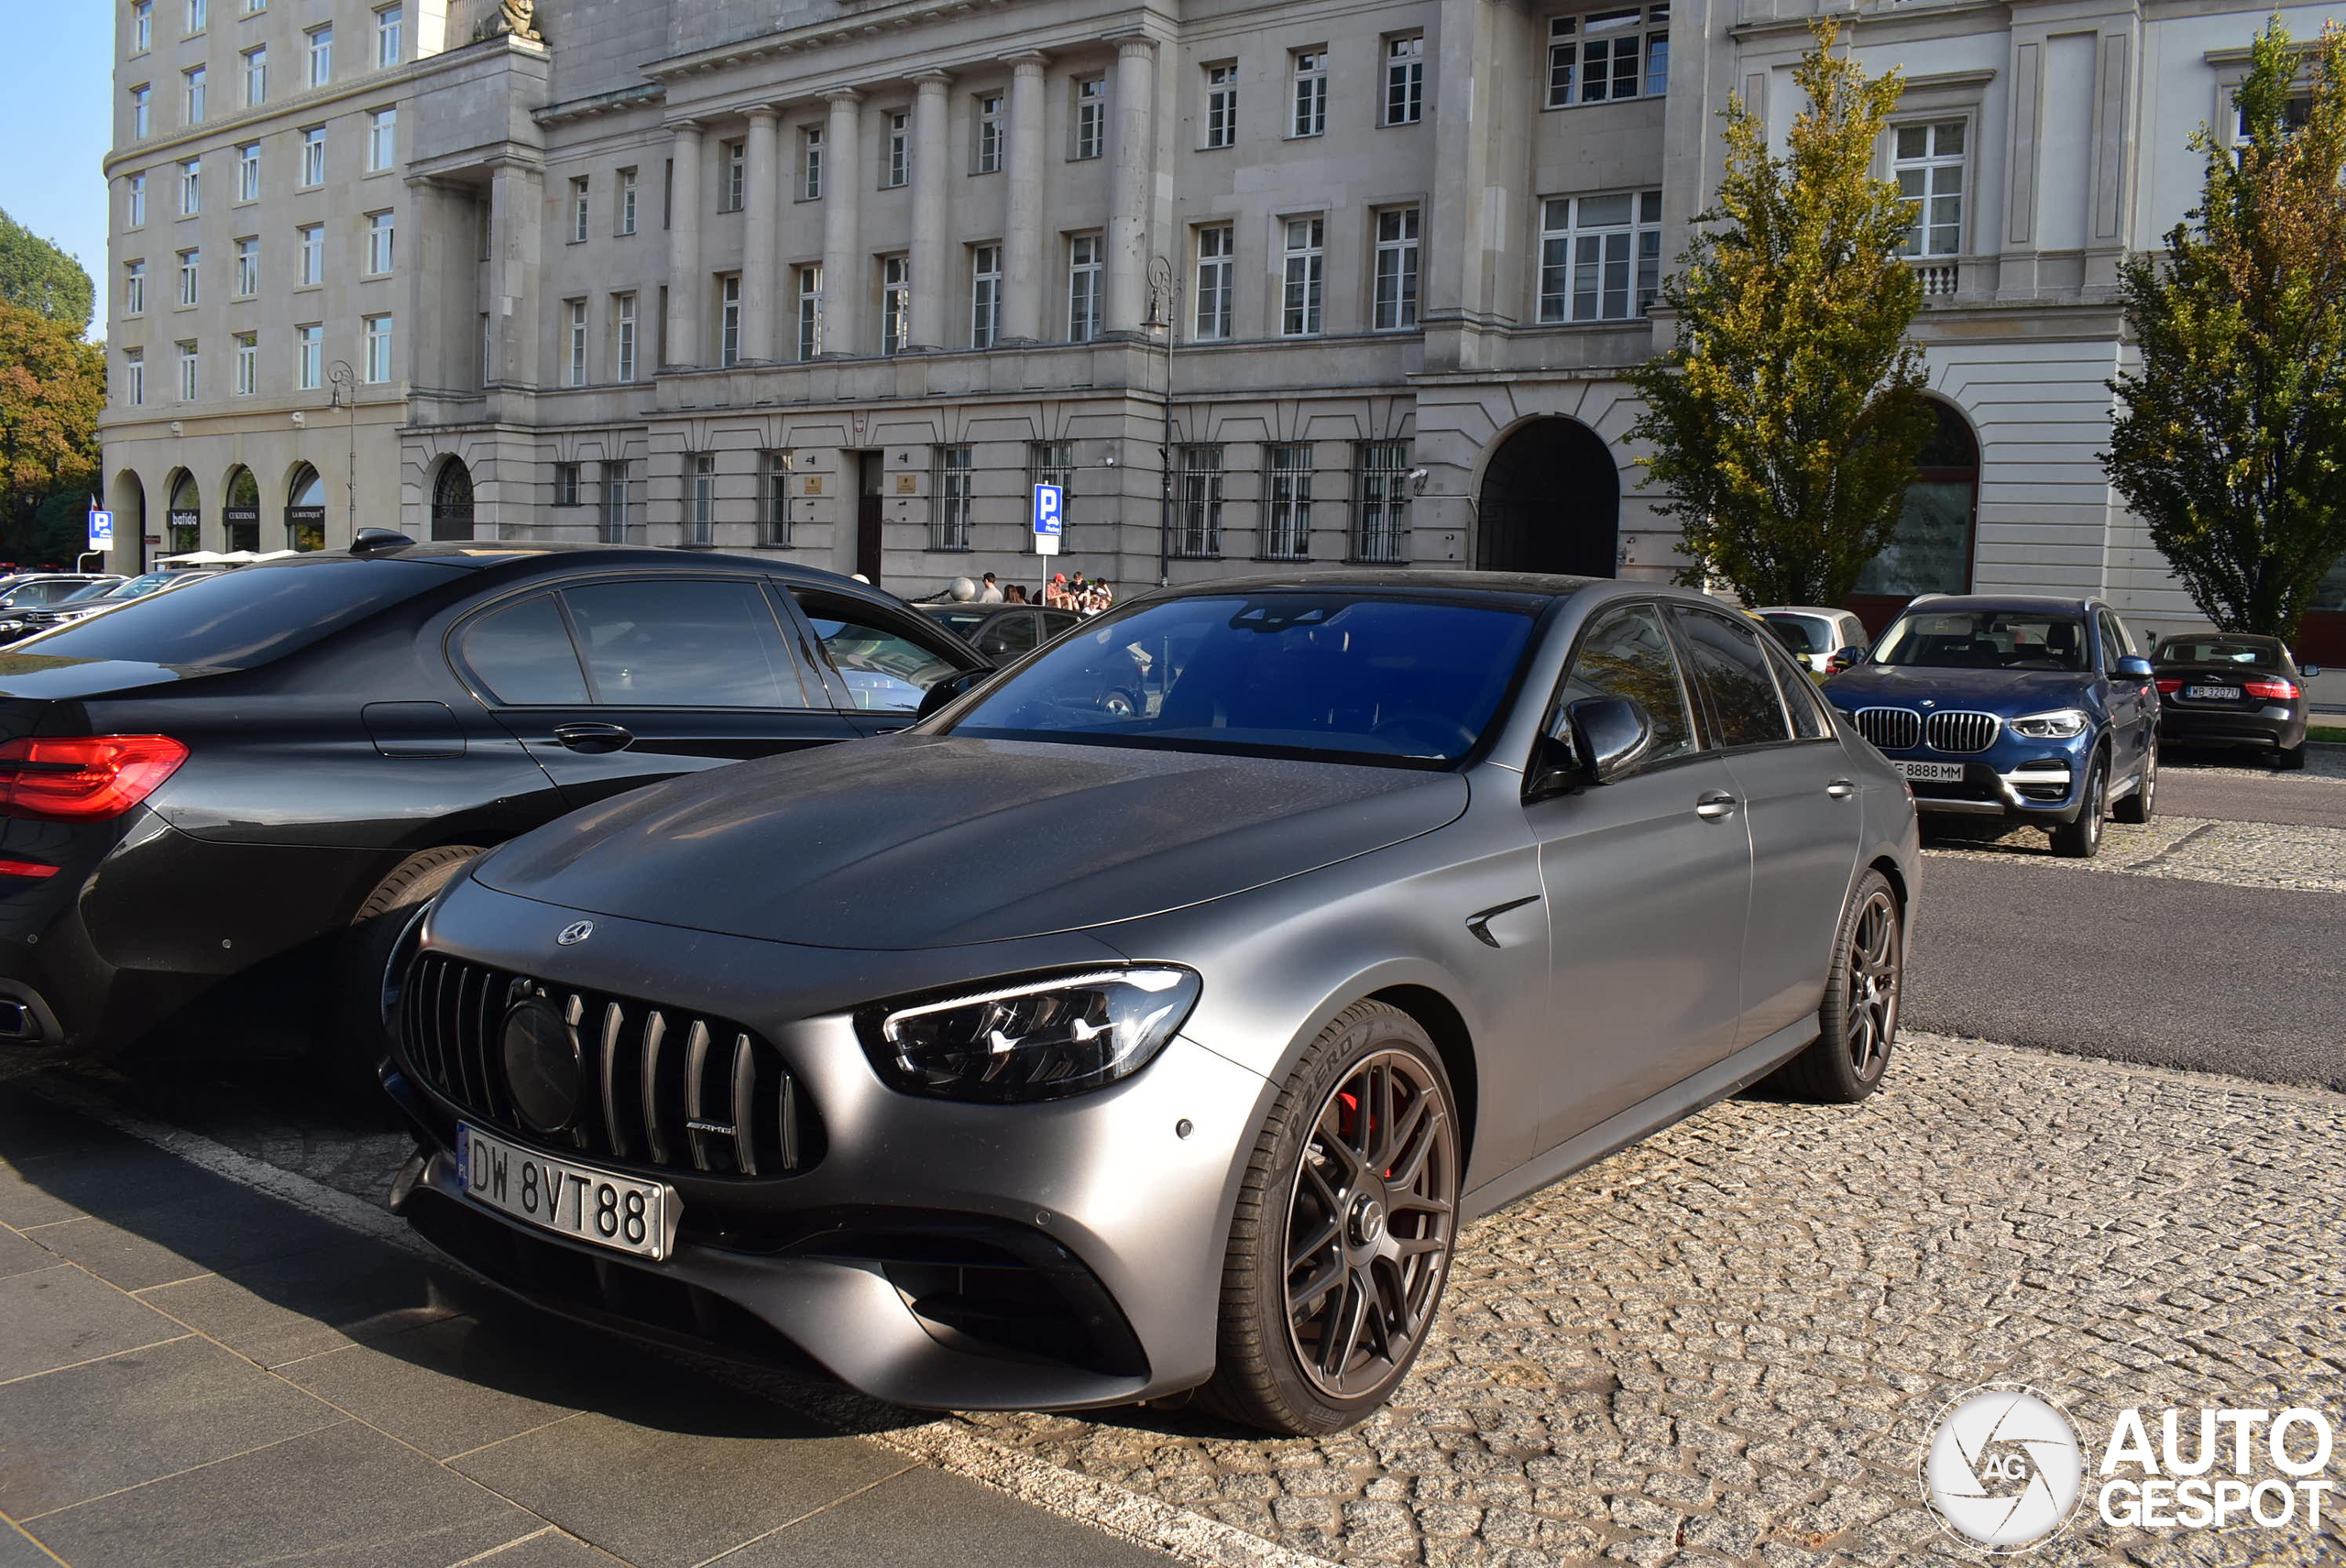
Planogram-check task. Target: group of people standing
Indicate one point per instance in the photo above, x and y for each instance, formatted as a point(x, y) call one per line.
point(1062, 592)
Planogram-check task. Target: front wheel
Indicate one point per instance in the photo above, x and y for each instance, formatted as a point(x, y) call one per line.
point(2136, 809)
point(1341, 1240)
point(1859, 1016)
point(2081, 840)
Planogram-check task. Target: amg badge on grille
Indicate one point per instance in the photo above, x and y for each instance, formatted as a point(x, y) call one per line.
point(574, 934)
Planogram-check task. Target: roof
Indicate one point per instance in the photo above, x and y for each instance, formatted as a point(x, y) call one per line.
point(489, 555)
point(2074, 603)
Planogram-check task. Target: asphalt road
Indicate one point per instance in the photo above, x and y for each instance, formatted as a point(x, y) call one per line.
point(2229, 792)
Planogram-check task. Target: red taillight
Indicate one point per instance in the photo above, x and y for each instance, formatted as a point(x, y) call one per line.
point(83, 778)
point(33, 869)
point(2169, 685)
point(2272, 691)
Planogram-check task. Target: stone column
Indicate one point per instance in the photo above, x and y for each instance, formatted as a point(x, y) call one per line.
point(516, 228)
point(1022, 237)
point(687, 285)
point(843, 177)
point(930, 188)
point(761, 238)
point(1126, 302)
point(1456, 262)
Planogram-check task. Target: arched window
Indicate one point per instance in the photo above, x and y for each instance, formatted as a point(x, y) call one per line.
point(240, 514)
point(305, 510)
point(1931, 551)
point(452, 501)
point(186, 519)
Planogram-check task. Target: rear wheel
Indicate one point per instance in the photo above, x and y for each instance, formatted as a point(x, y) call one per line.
point(2135, 809)
point(1341, 1240)
point(355, 1033)
point(2289, 758)
point(1860, 1017)
point(2081, 840)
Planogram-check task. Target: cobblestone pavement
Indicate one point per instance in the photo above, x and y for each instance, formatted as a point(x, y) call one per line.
point(2186, 849)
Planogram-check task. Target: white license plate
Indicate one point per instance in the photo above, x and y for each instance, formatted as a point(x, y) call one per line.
point(2212, 694)
point(1932, 772)
point(575, 1201)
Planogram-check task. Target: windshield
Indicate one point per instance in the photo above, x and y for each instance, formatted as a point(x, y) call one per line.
point(89, 591)
point(1985, 640)
point(1401, 682)
point(238, 619)
point(2255, 656)
point(963, 622)
point(140, 588)
point(1801, 633)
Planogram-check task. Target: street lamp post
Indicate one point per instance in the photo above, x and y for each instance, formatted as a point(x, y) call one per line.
point(1164, 312)
point(345, 396)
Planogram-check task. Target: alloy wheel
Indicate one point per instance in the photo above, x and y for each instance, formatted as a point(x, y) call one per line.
point(1873, 986)
point(1369, 1224)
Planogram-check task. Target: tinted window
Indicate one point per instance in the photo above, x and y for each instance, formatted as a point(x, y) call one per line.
point(238, 619)
point(1007, 636)
point(2115, 642)
point(2245, 651)
point(36, 594)
point(1985, 640)
point(684, 643)
point(960, 623)
point(1802, 633)
point(1812, 720)
point(1732, 672)
point(522, 655)
point(89, 591)
point(1367, 679)
point(882, 668)
point(1626, 654)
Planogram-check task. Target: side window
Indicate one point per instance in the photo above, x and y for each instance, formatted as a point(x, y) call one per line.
point(522, 655)
point(690, 642)
point(1007, 636)
point(2115, 642)
point(884, 669)
point(1811, 720)
point(1626, 654)
point(1732, 672)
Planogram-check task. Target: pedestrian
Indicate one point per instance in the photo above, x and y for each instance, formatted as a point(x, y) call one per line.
point(1102, 596)
point(989, 591)
point(1054, 595)
point(1014, 594)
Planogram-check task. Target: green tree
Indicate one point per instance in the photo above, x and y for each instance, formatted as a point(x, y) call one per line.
point(52, 387)
point(2231, 438)
point(37, 277)
point(1785, 419)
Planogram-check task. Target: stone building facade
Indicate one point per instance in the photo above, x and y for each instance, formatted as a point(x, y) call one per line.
point(1314, 281)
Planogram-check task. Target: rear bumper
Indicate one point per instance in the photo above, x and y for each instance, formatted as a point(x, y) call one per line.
point(2277, 724)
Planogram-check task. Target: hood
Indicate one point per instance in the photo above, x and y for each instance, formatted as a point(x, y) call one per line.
point(2005, 692)
point(916, 841)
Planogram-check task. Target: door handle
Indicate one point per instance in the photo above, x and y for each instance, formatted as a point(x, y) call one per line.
point(594, 739)
point(1840, 789)
point(1713, 805)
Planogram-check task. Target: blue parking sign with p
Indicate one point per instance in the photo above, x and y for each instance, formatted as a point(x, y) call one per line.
point(1050, 502)
point(101, 530)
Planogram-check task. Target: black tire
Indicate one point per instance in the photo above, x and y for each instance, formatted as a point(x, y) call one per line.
point(2137, 807)
point(2288, 758)
point(1264, 1376)
point(1859, 1022)
point(355, 1035)
point(2081, 840)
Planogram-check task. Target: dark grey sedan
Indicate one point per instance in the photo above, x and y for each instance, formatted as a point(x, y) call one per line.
point(1150, 1016)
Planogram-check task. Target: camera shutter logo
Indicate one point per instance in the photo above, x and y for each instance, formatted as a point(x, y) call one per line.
point(2002, 1467)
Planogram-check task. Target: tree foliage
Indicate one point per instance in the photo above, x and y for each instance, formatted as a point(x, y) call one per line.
point(2231, 438)
point(1786, 418)
point(52, 387)
point(35, 275)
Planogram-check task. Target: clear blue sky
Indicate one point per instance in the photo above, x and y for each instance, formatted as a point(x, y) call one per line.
point(54, 127)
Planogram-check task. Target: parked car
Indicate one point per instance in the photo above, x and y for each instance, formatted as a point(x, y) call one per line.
point(1001, 631)
point(220, 799)
point(2225, 689)
point(1815, 635)
point(2028, 707)
point(32, 590)
point(1054, 1055)
point(92, 599)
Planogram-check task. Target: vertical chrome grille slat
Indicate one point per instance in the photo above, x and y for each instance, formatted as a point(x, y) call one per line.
point(1891, 729)
point(444, 1029)
point(490, 1011)
point(613, 1019)
point(786, 1120)
point(745, 1094)
point(1958, 732)
point(468, 981)
point(696, 1073)
point(655, 1034)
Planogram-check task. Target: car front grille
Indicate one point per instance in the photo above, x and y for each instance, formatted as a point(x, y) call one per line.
point(1957, 733)
point(664, 1088)
point(1891, 729)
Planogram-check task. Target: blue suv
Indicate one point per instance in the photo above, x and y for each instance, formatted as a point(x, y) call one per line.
point(2028, 707)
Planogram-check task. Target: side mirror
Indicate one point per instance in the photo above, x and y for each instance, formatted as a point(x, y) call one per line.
point(2130, 667)
point(1844, 658)
point(1595, 741)
point(2309, 671)
point(946, 690)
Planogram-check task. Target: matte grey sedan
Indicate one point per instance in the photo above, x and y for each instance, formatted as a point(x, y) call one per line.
point(1150, 1016)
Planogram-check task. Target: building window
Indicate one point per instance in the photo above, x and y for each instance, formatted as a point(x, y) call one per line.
point(896, 152)
point(314, 155)
point(810, 163)
point(1601, 55)
point(191, 270)
point(1221, 104)
point(988, 147)
point(198, 13)
point(134, 287)
point(565, 484)
point(574, 356)
point(142, 101)
point(256, 76)
point(191, 377)
point(192, 94)
point(190, 187)
point(579, 212)
point(1090, 117)
point(382, 140)
point(254, 7)
point(619, 503)
point(136, 214)
point(248, 172)
point(247, 364)
point(774, 503)
point(1051, 463)
point(376, 338)
point(1311, 115)
point(1083, 288)
point(2295, 117)
point(1396, 305)
point(1405, 80)
point(1197, 507)
point(810, 311)
point(382, 243)
point(1287, 502)
point(623, 313)
point(1931, 549)
point(320, 55)
point(1299, 309)
point(729, 318)
point(895, 304)
point(1215, 245)
point(985, 295)
point(1600, 257)
point(389, 24)
point(310, 356)
point(703, 520)
point(1380, 500)
point(142, 25)
point(626, 201)
point(1928, 163)
point(248, 268)
point(737, 177)
point(950, 527)
point(313, 254)
point(134, 376)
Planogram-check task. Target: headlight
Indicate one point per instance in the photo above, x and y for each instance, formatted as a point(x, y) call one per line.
point(1040, 1040)
point(2061, 724)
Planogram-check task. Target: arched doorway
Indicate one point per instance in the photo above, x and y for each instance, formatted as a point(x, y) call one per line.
point(305, 510)
point(185, 518)
point(240, 513)
point(127, 498)
point(452, 501)
point(1551, 502)
point(1931, 551)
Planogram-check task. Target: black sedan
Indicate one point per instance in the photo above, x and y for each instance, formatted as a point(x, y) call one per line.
point(220, 805)
point(2220, 688)
point(1003, 631)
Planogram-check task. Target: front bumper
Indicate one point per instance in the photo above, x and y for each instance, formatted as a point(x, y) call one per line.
point(2017, 779)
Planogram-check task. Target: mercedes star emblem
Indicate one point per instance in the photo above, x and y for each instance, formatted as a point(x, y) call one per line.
point(574, 934)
